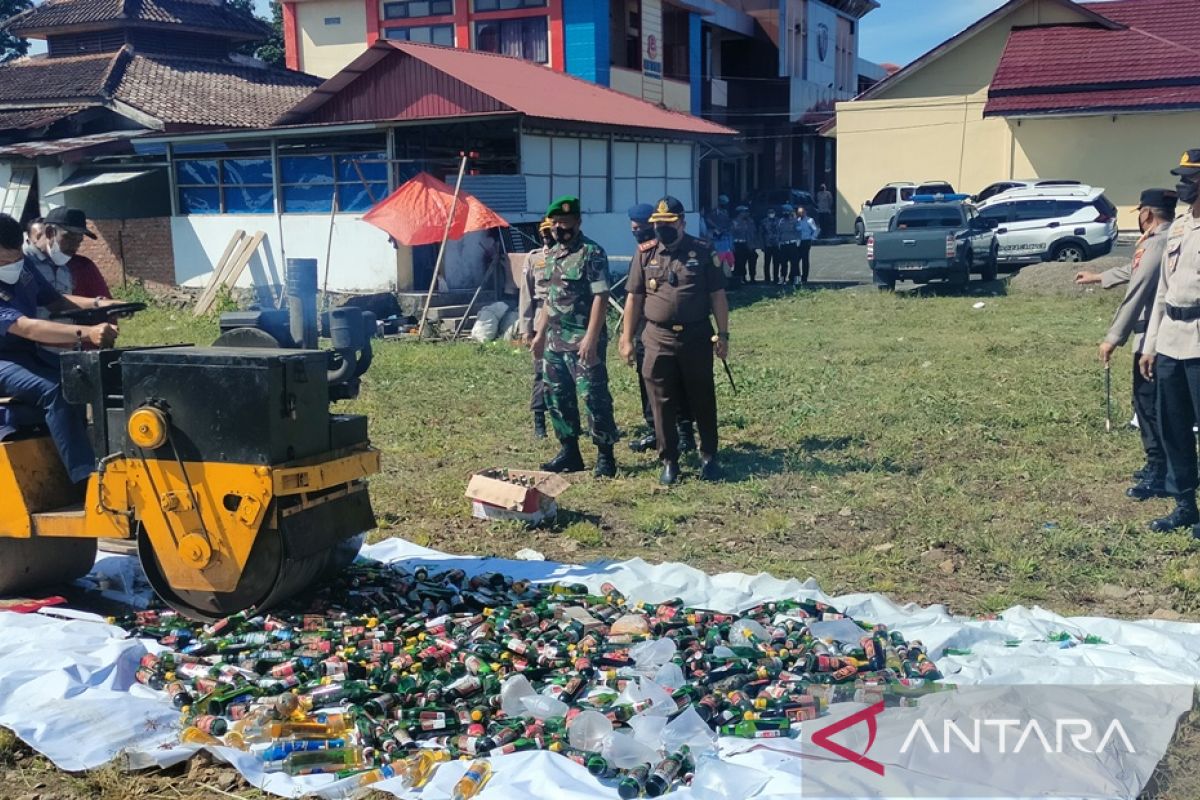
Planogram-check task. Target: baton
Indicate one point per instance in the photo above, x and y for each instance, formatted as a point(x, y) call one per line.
point(1107, 398)
point(728, 371)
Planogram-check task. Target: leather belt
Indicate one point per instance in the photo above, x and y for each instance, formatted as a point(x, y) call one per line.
point(677, 327)
point(1185, 314)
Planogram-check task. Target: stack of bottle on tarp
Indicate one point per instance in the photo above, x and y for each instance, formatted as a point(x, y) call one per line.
point(387, 672)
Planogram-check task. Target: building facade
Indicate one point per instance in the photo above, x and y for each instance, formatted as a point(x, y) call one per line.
point(773, 69)
point(1105, 93)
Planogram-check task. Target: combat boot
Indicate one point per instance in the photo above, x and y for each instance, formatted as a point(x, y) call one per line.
point(1185, 515)
point(669, 474)
point(647, 442)
point(687, 437)
point(539, 424)
point(606, 462)
point(710, 470)
point(1146, 489)
point(569, 459)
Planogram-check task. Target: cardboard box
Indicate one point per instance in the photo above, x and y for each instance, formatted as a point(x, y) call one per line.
point(525, 495)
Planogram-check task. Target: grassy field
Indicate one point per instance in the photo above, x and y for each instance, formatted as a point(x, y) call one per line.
point(911, 445)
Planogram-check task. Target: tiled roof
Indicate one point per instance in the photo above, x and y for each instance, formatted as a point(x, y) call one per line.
point(1150, 62)
point(459, 82)
point(75, 13)
point(187, 92)
point(29, 80)
point(24, 119)
point(178, 92)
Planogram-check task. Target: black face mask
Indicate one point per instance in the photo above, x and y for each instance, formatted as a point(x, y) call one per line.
point(666, 234)
point(1188, 191)
point(643, 235)
point(564, 235)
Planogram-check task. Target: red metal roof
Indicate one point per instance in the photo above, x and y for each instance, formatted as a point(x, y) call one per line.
point(397, 80)
point(1151, 62)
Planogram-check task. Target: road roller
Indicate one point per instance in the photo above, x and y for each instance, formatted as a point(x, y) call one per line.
point(224, 462)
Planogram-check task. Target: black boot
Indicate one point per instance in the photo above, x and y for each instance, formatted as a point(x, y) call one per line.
point(606, 462)
point(687, 437)
point(1185, 515)
point(669, 474)
point(1146, 489)
point(539, 424)
point(569, 459)
point(1146, 471)
point(710, 470)
point(647, 442)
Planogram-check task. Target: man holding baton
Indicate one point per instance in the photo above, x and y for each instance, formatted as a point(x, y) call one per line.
point(678, 285)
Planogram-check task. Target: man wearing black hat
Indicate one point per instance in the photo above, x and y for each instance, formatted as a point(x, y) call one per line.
point(1171, 353)
point(678, 285)
point(643, 234)
point(62, 234)
point(1155, 213)
point(572, 335)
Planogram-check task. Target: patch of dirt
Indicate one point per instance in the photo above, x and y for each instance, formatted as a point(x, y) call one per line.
point(1057, 278)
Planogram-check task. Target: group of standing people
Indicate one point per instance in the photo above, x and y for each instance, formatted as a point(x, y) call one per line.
point(1161, 313)
point(676, 289)
point(785, 237)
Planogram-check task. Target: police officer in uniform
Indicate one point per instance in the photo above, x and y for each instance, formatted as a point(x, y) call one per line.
point(769, 235)
point(528, 306)
point(572, 335)
point(745, 246)
point(643, 234)
point(1155, 213)
point(789, 245)
point(678, 285)
point(1171, 353)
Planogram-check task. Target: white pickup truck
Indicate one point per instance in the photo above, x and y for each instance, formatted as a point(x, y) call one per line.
point(877, 212)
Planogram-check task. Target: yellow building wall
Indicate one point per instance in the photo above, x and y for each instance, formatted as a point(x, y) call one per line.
point(325, 49)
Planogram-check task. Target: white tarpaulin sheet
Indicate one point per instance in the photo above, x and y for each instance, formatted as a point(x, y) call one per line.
point(67, 689)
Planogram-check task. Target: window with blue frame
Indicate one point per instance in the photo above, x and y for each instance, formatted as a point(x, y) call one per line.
point(310, 183)
point(225, 185)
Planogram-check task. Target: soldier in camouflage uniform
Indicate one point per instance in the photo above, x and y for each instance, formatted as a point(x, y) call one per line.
point(572, 336)
point(531, 300)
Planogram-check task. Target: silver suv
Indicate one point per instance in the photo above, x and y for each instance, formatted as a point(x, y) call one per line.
point(877, 212)
point(1053, 223)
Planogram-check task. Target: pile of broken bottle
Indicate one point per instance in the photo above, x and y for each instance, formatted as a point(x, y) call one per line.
point(387, 672)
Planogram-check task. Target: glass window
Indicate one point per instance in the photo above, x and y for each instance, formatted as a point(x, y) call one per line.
point(1065, 208)
point(193, 173)
point(406, 9)
point(194, 200)
point(996, 212)
point(1030, 210)
point(906, 192)
point(246, 170)
point(884, 196)
point(523, 38)
point(248, 199)
point(310, 183)
point(230, 185)
point(507, 5)
point(312, 198)
point(426, 34)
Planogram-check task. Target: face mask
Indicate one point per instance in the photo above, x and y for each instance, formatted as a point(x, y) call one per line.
point(564, 235)
point(643, 235)
point(666, 234)
point(771, 215)
point(11, 273)
point(58, 256)
point(1188, 192)
point(31, 250)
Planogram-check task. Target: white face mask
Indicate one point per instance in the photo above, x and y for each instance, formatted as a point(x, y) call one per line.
point(58, 256)
point(11, 273)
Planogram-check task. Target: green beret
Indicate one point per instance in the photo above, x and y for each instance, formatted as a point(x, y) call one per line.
point(565, 206)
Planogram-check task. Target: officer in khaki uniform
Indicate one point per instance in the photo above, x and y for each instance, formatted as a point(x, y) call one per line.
point(572, 334)
point(528, 306)
point(1171, 353)
point(1156, 210)
point(678, 285)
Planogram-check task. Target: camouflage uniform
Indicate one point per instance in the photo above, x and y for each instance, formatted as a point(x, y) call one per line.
point(574, 274)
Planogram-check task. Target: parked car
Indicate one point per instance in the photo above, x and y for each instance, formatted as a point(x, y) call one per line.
point(990, 191)
point(933, 241)
point(1053, 223)
point(877, 212)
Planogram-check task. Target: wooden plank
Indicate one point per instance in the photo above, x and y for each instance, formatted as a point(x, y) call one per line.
point(210, 289)
point(244, 258)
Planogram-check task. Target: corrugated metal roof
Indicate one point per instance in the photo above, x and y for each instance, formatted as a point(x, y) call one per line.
point(378, 85)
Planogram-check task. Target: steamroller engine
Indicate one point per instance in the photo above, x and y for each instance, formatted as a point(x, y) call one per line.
point(225, 463)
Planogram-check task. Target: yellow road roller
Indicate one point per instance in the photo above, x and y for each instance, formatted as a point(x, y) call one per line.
point(224, 463)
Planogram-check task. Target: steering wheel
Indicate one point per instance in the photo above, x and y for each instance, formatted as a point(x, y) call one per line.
point(94, 316)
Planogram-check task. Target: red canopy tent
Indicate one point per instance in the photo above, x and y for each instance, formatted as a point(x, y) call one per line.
point(423, 211)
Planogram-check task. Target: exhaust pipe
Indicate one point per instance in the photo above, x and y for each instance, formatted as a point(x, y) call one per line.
point(302, 301)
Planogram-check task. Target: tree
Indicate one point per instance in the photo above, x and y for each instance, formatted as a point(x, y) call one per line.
point(11, 46)
point(272, 50)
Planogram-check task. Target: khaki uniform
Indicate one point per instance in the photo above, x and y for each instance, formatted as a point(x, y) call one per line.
point(678, 337)
point(1131, 319)
point(1174, 335)
point(529, 304)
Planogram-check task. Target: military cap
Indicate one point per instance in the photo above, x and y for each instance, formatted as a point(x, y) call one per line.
point(668, 209)
point(1189, 164)
point(641, 213)
point(1159, 198)
point(565, 206)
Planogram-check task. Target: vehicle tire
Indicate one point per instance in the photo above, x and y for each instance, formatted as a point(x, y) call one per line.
point(885, 281)
point(1070, 252)
point(989, 267)
point(860, 232)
